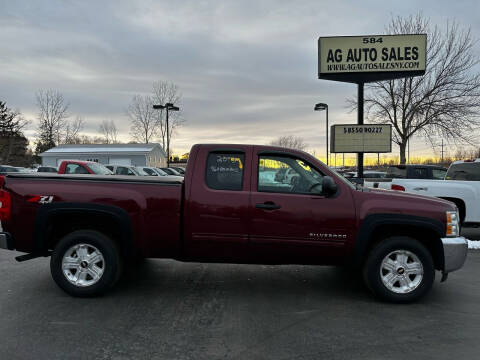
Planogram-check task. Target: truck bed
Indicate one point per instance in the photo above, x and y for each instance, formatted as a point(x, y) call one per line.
point(142, 199)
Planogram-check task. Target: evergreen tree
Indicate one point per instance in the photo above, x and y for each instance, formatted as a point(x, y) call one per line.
point(13, 144)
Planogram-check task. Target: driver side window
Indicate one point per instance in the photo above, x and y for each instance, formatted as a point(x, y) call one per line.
point(282, 174)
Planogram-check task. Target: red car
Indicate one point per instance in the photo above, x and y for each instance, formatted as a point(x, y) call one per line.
point(82, 167)
point(230, 208)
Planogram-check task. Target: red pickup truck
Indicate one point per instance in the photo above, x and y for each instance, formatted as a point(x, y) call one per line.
point(230, 207)
point(82, 167)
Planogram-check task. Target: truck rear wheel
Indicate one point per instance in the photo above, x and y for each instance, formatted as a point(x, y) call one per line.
point(399, 269)
point(85, 263)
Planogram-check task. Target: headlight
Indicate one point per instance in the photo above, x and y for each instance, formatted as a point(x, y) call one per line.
point(453, 226)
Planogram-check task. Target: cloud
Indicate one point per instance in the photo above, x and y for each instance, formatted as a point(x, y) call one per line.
point(247, 69)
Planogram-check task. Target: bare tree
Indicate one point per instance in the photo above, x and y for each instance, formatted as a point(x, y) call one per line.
point(109, 131)
point(85, 139)
point(444, 102)
point(167, 92)
point(71, 131)
point(53, 112)
point(144, 122)
point(290, 142)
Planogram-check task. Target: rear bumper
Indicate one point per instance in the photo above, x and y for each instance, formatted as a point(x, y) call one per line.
point(455, 253)
point(6, 241)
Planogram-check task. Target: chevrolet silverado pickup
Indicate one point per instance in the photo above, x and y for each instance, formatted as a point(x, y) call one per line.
point(230, 208)
point(461, 186)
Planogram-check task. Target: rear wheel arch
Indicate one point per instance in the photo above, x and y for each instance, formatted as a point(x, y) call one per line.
point(54, 221)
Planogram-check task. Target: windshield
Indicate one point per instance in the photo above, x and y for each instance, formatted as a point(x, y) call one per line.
point(140, 171)
point(161, 172)
point(174, 172)
point(168, 171)
point(9, 169)
point(99, 169)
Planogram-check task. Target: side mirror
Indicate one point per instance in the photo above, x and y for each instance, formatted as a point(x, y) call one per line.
point(328, 186)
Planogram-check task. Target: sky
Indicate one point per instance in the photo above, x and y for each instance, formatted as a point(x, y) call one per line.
point(247, 70)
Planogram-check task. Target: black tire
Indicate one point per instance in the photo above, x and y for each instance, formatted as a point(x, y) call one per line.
point(112, 266)
point(372, 269)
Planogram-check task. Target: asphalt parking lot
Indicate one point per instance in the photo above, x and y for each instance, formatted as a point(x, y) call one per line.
point(170, 310)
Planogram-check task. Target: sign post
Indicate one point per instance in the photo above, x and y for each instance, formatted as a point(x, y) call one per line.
point(360, 122)
point(363, 59)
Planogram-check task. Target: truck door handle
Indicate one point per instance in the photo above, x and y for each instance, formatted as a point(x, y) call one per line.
point(420, 188)
point(268, 205)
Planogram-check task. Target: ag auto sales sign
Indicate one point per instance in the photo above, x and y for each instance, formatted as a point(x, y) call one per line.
point(371, 57)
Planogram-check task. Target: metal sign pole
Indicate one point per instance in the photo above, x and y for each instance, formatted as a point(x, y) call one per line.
point(360, 122)
point(168, 143)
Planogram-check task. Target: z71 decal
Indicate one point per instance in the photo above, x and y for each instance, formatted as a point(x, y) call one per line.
point(41, 199)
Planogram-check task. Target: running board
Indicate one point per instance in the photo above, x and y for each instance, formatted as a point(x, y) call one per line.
point(31, 256)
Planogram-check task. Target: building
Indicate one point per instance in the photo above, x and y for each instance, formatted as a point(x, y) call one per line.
point(115, 154)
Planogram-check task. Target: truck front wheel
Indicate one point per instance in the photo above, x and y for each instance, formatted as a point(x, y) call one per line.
point(399, 269)
point(85, 263)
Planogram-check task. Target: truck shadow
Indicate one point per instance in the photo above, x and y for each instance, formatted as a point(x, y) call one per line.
point(159, 277)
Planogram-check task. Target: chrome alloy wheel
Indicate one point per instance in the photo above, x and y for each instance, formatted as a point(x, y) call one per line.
point(401, 271)
point(83, 265)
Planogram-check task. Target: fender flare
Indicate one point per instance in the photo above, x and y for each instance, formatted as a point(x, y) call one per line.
point(374, 221)
point(41, 232)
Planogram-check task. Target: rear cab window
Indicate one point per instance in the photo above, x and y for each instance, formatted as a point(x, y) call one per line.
point(418, 173)
point(468, 171)
point(225, 171)
point(438, 174)
point(396, 172)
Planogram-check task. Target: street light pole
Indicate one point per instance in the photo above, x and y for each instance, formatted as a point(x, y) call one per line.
point(320, 107)
point(168, 107)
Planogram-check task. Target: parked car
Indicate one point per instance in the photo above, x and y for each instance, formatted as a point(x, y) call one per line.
point(4, 169)
point(224, 210)
point(171, 171)
point(126, 170)
point(82, 167)
point(151, 171)
point(178, 169)
point(24, 169)
point(47, 169)
point(461, 186)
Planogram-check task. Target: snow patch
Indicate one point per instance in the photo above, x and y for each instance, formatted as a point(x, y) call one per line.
point(473, 244)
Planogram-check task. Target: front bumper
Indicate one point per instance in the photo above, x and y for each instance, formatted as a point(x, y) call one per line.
point(6, 241)
point(455, 252)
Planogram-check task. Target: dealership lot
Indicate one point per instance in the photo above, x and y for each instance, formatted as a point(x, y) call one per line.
point(170, 310)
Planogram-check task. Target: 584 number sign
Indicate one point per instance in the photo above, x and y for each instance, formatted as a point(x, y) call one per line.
point(372, 40)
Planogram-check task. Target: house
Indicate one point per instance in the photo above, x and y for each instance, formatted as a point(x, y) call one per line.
point(117, 154)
